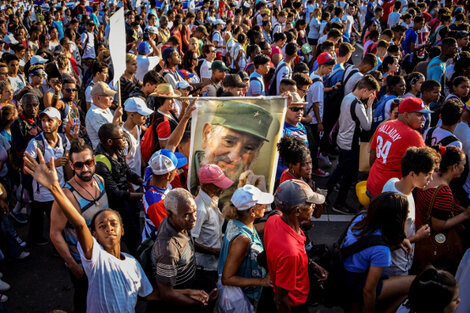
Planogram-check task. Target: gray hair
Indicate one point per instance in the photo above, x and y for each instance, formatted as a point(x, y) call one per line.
point(177, 198)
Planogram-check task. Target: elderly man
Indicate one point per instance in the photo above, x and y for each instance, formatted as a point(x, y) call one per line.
point(233, 138)
point(284, 243)
point(175, 267)
point(99, 112)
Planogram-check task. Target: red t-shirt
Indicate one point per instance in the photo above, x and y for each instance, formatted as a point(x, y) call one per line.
point(286, 176)
point(391, 140)
point(287, 259)
point(444, 206)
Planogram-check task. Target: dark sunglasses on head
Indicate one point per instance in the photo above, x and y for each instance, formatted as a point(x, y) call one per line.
point(79, 165)
point(296, 109)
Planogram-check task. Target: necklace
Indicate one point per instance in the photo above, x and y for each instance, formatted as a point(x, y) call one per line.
point(94, 199)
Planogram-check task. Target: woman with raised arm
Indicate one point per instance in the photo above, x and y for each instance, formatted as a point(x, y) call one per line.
point(114, 278)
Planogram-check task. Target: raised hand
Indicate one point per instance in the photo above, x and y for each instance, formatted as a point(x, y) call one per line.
point(40, 171)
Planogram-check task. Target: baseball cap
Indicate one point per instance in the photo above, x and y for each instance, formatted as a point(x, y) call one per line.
point(219, 65)
point(164, 161)
point(37, 59)
point(248, 196)
point(9, 39)
point(102, 89)
point(167, 52)
point(219, 22)
point(143, 48)
point(410, 105)
point(185, 74)
point(243, 75)
point(461, 34)
point(136, 104)
point(294, 192)
point(152, 29)
point(325, 58)
point(37, 72)
point(182, 84)
point(202, 29)
point(212, 174)
point(51, 112)
point(233, 80)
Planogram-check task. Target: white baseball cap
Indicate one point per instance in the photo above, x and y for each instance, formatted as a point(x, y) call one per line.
point(248, 196)
point(164, 161)
point(51, 112)
point(37, 59)
point(136, 104)
point(219, 22)
point(182, 84)
point(152, 29)
point(10, 39)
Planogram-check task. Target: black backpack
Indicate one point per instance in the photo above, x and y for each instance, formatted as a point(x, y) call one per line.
point(443, 142)
point(272, 84)
point(332, 259)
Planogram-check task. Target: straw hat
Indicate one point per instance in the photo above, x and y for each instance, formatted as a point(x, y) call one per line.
point(296, 99)
point(166, 91)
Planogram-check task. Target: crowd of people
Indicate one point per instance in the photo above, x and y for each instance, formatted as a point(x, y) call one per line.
point(100, 170)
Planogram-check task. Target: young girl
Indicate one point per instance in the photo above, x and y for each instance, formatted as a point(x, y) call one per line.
point(459, 88)
point(413, 84)
point(390, 66)
point(363, 281)
point(294, 153)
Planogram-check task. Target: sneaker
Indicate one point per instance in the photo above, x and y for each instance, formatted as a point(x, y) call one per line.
point(3, 298)
point(4, 286)
point(320, 173)
point(19, 217)
point(342, 209)
point(325, 159)
point(23, 255)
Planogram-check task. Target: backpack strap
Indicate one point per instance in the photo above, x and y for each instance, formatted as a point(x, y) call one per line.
point(448, 140)
point(104, 159)
point(428, 139)
point(427, 219)
point(357, 127)
point(362, 244)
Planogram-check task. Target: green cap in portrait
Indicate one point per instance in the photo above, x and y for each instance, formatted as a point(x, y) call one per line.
point(244, 117)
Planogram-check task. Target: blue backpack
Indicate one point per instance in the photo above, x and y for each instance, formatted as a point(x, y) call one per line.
point(379, 111)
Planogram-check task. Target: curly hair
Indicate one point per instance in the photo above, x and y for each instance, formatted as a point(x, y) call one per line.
point(292, 150)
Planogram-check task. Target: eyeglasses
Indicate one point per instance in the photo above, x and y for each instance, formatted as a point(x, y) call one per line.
point(79, 165)
point(71, 89)
point(296, 109)
point(303, 90)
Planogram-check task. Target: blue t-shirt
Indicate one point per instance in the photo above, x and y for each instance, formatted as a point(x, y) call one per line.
point(378, 256)
point(410, 37)
point(256, 85)
point(370, 8)
point(60, 28)
point(436, 70)
point(335, 76)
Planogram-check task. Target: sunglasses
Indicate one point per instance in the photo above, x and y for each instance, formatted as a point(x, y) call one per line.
point(70, 89)
point(79, 165)
point(296, 109)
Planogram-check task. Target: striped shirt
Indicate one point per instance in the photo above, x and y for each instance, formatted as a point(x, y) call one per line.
point(174, 255)
point(154, 209)
point(444, 206)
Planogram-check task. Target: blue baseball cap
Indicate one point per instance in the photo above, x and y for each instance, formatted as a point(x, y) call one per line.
point(164, 161)
point(144, 47)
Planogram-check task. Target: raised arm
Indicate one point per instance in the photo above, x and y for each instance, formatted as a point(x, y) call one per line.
point(48, 178)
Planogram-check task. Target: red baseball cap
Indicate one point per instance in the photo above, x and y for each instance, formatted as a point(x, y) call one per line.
point(410, 105)
point(325, 57)
point(212, 174)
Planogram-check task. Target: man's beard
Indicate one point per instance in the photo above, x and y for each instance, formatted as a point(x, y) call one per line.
point(232, 173)
point(85, 178)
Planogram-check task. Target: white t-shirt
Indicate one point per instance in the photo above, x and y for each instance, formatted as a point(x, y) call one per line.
point(132, 153)
point(352, 81)
point(402, 261)
point(17, 83)
point(88, 89)
point(144, 65)
point(113, 284)
point(206, 71)
point(95, 117)
point(41, 193)
point(218, 41)
point(315, 94)
point(438, 134)
point(349, 20)
point(284, 72)
point(393, 19)
point(90, 45)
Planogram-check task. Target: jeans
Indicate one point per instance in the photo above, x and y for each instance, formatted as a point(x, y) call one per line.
point(36, 227)
point(80, 286)
point(345, 173)
point(9, 237)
